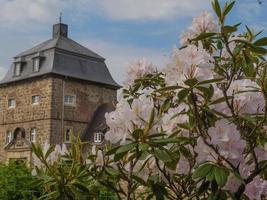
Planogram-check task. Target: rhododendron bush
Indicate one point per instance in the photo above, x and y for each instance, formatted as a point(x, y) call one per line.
point(195, 129)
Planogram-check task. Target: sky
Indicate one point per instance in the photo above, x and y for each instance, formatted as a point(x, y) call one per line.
point(119, 30)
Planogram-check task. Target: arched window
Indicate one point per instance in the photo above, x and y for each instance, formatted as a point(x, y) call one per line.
point(19, 133)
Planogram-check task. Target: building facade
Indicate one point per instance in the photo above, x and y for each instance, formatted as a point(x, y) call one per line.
point(51, 91)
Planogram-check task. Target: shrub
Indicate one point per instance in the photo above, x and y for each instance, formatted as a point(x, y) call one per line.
point(16, 182)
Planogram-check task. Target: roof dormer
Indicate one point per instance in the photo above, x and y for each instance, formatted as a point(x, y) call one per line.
point(18, 62)
point(37, 61)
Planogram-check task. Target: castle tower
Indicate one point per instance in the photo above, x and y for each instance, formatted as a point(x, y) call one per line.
point(51, 91)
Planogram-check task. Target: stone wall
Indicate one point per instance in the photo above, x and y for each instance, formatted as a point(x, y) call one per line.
point(47, 117)
point(88, 98)
point(25, 114)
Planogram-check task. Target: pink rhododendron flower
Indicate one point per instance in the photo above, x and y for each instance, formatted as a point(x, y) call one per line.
point(189, 62)
point(138, 69)
point(127, 117)
point(204, 23)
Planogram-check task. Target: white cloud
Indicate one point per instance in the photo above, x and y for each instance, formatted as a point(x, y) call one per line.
point(151, 9)
point(23, 12)
point(118, 57)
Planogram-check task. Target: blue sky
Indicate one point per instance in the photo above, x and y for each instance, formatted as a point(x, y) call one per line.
point(119, 30)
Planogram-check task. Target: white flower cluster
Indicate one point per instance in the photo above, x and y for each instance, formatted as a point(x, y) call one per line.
point(126, 118)
point(189, 62)
point(204, 23)
point(137, 70)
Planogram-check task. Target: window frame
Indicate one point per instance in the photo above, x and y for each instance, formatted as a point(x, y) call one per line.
point(70, 133)
point(33, 134)
point(35, 103)
point(17, 65)
point(67, 103)
point(10, 106)
point(9, 137)
point(98, 137)
point(35, 68)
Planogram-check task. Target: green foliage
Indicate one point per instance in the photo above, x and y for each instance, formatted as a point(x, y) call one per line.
point(16, 182)
point(125, 169)
point(67, 177)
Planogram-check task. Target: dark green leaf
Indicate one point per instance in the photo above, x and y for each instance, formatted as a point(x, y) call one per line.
point(215, 80)
point(162, 155)
point(217, 8)
point(228, 8)
point(220, 176)
point(125, 148)
point(191, 82)
point(203, 36)
point(203, 170)
point(182, 94)
point(112, 171)
point(261, 42)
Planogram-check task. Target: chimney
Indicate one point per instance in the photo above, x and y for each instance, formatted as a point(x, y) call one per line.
point(60, 30)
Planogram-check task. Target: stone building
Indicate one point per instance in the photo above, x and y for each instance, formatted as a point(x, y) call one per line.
point(51, 91)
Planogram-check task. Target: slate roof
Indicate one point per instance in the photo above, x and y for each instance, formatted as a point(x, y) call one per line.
point(62, 56)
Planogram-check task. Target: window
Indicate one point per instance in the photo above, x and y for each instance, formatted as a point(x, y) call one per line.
point(35, 99)
point(68, 132)
point(33, 135)
point(17, 69)
point(11, 103)
point(36, 64)
point(69, 100)
point(8, 137)
point(98, 137)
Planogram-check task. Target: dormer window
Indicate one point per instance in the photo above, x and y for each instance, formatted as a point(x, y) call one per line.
point(36, 64)
point(17, 69)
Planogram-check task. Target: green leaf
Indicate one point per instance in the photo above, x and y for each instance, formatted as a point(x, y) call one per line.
point(143, 147)
point(217, 8)
point(162, 155)
point(182, 94)
point(125, 148)
point(261, 42)
point(150, 122)
point(215, 80)
point(228, 8)
point(164, 89)
point(220, 176)
point(112, 171)
point(138, 133)
point(49, 151)
point(191, 82)
point(203, 36)
point(166, 141)
point(203, 170)
point(259, 50)
point(229, 29)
